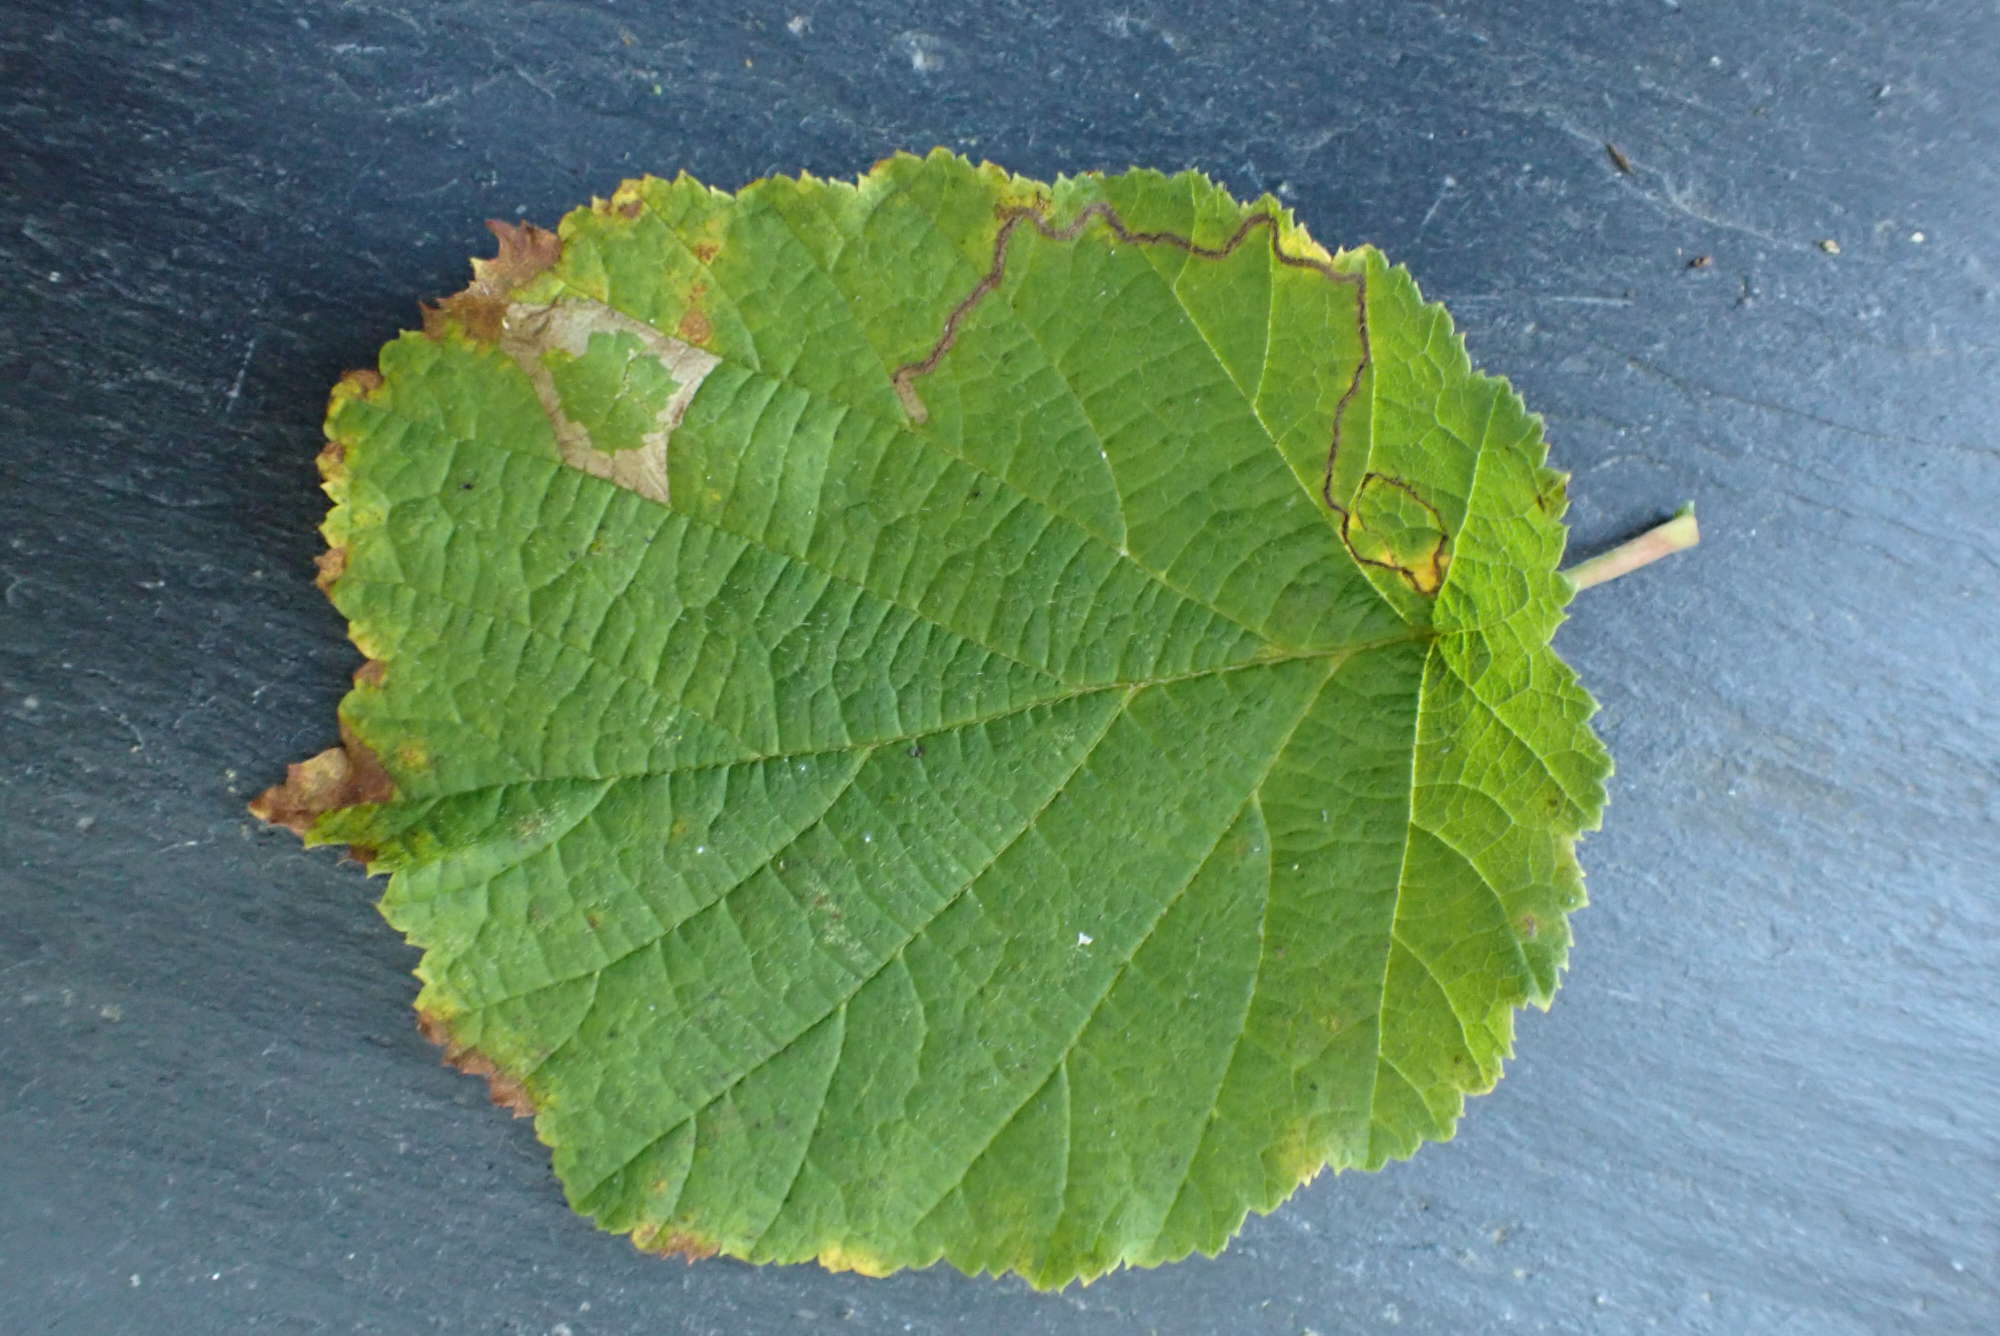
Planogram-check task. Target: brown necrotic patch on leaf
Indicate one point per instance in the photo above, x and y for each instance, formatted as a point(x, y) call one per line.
point(669, 1242)
point(525, 251)
point(363, 382)
point(329, 564)
point(694, 326)
point(505, 1091)
point(338, 777)
point(627, 201)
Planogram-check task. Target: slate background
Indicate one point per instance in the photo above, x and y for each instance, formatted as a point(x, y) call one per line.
point(1765, 1101)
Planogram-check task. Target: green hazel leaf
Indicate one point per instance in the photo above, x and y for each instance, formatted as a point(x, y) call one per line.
point(1047, 740)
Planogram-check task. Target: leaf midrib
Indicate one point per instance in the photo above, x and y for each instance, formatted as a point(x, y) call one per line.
point(1335, 658)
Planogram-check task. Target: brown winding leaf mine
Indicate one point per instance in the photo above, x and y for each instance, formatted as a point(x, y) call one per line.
point(364, 382)
point(904, 378)
point(502, 1089)
point(338, 777)
point(525, 251)
point(528, 332)
point(1391, 527)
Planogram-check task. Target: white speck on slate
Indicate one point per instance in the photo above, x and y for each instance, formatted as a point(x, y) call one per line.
point(798, 25)
point(925, 52)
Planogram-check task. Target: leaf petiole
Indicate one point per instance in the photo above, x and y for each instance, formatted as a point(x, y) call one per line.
point(1662, 540)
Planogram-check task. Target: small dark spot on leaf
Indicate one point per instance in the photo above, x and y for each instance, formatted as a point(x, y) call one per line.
point(917, 750)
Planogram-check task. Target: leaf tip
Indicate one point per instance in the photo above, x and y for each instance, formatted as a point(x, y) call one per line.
point(343, 776)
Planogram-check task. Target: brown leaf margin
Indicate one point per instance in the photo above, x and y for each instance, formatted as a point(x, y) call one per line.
point(505, 1091)
point(525, 252)
point(338, 777)
point(352, 773)
point(667, 1241)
